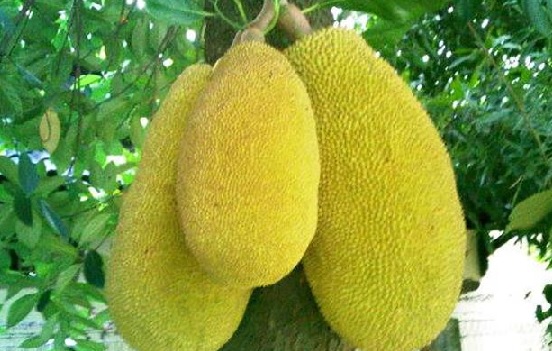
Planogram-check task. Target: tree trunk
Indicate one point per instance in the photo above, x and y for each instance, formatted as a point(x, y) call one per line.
point(284, 316)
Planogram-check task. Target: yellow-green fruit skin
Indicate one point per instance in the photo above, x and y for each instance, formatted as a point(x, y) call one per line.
point(159, 298)
point(249, 169)
point(386, 262)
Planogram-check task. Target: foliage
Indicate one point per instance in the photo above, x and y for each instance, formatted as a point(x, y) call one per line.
point(99, 70)
point(94, 72)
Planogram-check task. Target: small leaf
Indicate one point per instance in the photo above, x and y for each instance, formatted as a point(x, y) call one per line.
point(180, 12)
point(20, 308)
point(29, 235)
point(48, 329)
point(67, 276)
point(23, 208)
point(547, 291)
point(94, 228)
point(466, 9)
point(88, 79)
point(30, 78)
point(10, 97)
point(53, 219)
point(28, 177)
point(50, 130)
point(5, 259)
point(538, 17)
point(386, 33)
point(139, 38)
point(530, 211)
point(9, 169)
point(93, 269)
point(89, 345)
point(43, 300)
point(49, 184)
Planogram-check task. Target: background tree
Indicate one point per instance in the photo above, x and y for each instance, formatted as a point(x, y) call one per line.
point(79, 80)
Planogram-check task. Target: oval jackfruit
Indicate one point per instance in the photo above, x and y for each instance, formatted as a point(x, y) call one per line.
point(385, 265)
point(249, 169)
point(158, 296)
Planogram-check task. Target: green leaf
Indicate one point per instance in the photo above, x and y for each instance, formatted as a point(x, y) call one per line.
point(28, 177)
point(386, 33)
point(5, 259)
point(46, 334)
point(29, 235)
point(139, 41)
point(49, 184)
point(10, 96)
point(94, 229)
point(394, 10)
point(88, 79)
point(30, 78)
point(89, 345)
point(528, 213)
point(20, 308)
point(44, 300)
point(466, 9)
point(23, 208)
point(53, 219)
point(93, 269)
point(67, 276)
point(9, 169)
point(538, 17)
point(180, 12)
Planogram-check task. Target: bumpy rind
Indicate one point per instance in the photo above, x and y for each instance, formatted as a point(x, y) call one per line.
point(385, 265)
point(249, 169)
point(159, 297)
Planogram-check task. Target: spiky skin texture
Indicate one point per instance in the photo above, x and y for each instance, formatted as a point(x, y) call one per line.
point(159, 297)
point(249, 169)
point(385, 265)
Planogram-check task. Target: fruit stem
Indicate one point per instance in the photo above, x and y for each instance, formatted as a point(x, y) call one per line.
point(293, 21)
point(255, 31)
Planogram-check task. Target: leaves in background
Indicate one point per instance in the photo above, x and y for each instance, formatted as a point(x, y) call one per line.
point(180, 12)
point(53, 219)
point(395, 17)
point(466, 10)
point(23, 208)
point(9, 169)
point(29, 235)
point(540, 16)
point(93, 269)
point(28, 176)
point(528, 213)
point(20, 308)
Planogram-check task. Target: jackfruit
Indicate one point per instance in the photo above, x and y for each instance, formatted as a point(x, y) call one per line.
point(159, 297)
point(386, 262)
point(249, 169)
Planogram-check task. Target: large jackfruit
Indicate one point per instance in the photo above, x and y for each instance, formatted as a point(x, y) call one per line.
point(385, 265)
point(249, 169)
point(158, 296)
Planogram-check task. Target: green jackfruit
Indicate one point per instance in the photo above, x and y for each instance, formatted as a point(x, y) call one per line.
point(158, 296)
point(249, 169)
point(385, 265)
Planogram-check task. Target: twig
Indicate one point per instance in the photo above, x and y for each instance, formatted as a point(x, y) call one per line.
point(76, 14)
point(162, 47)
